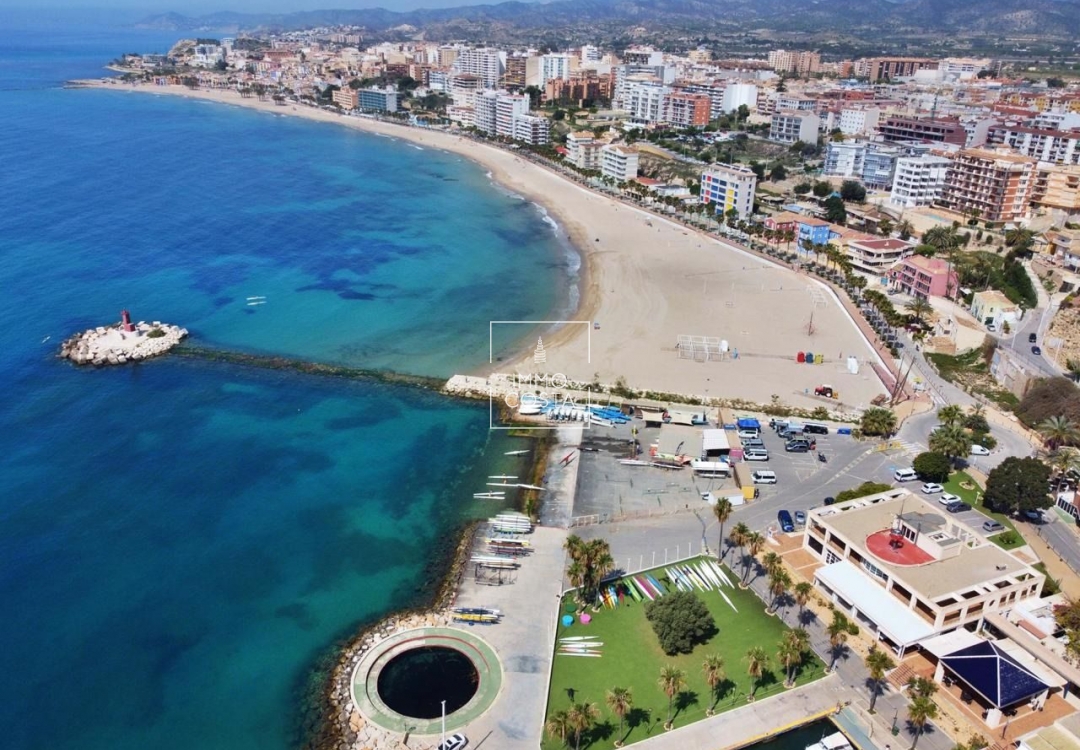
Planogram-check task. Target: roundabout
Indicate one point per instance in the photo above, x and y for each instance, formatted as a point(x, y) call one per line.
point(401, 682)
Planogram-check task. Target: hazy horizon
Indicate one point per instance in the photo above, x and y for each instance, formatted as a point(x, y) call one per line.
point(134, 9)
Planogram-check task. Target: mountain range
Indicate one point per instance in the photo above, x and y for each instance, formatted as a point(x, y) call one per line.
point(1044, 18)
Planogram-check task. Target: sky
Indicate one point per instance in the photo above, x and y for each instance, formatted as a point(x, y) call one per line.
point(140, 8)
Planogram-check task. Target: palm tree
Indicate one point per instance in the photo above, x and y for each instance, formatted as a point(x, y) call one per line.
point(838, 635)
point(620, 701)
point(582, 717)
point(1058, 431)
point(757, 661)
point(803, 591)
point(950, 415)
point(878, 663)
point(920, 712)
point(590, 562)
point(918, 307)
point(878, 421)
point(921, 687)
point(952, 441)
point(713, 668)
point(722, 511)
point(771, 562)
point(779, 582)
point(672, 681)
point(792, 652)
point(559, 725)
point(738, 536)
point(904, 229)
point(1064, 460)
point(754, 542)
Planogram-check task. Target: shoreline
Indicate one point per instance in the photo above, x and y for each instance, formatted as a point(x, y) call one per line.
point(490, 158)
point(643, 281)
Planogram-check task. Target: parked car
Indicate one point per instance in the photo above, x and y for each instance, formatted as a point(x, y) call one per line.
point(957, 507)
point(454, 742)
point(830, 500)
point(786, 524)
point(797, 446)
point(1036, 351)
point(756, 454)
point(979, 450)
point(746, 434)
point(1035, 516)
point(930, 488)
point(905, 475)
point(1033, 338)
point(764, 477)
point(754, 442)
point(947, 498)
point(992, 526)
point(991, 327)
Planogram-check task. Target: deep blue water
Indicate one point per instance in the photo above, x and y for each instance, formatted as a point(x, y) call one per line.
point(179, 541)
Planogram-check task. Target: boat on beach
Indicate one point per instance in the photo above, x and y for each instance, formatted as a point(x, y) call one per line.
point(834, 741)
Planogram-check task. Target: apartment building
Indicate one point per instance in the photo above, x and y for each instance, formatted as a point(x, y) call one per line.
point(790, 127)
point(918, 181)
point(991, 307)
point(875, 255)
point(906, 570)
point(1057, 188)
point(889, 68)
point(924, 277)
point(871, 163)
point(739, 94)
point(797, 103)
point(1054, 146)
point(940, 130)
point(532, 129)
point(813, 231)
point(514, 74)
point(994, 183)
point(687, 110)
point(346, 98)
point(645, 100)
point(962, 68)
point(727, 186)
point(622, 75)
point(557, 66)
point(378, 100)
point(858, 121)
point(619, 162)
point(583, 150)
point(642, 56)
point(507, 107)
point(802, 64)
point(485, 63)
point(582, 86)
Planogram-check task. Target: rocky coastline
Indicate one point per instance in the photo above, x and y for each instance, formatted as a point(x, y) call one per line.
point(121, 343)
point(333, 722)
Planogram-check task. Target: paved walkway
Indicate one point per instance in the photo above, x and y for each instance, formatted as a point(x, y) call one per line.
point(530, 605)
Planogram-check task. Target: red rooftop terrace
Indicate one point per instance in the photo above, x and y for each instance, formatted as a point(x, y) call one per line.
point(895, 549)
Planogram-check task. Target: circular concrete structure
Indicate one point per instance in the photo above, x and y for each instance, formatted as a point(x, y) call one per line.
point(365, 679)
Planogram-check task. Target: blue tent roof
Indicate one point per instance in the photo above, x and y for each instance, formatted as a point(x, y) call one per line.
point(993, 674)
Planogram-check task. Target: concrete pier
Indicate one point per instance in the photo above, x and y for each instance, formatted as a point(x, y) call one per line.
point(121, 343)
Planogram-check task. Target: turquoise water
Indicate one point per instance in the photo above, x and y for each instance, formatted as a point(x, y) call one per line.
point(181, 541)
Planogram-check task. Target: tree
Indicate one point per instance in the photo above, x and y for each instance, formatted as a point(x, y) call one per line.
point(672, 682)
point(559, 725)
point(1018, 484)
point(852, 191)
point(932, 466)
point(975, 420)
point(919, 306)
point(864, 489)
point(1058, 431)
point(680, 621)
point(1049, 397)
point(803, 591)
point(589, 562)
point(920, 712)
point(1062, 461)
point(739, 535)
point(838, 631)
point(754, 542)
point(822, 188)
point(904, 229)
point(835, 211)
point(778, 173)
point(922, 687)
point(779, 583)
point(757, 662)
point(885, 227)
point(620, 701)
point(582, 716)
point(877, 663)
point(878, 421)
point(792, 652)
point(1067, 617)
point(722, 511)
point(943, 239)
point(951, 440)
point(713, 669)
point(803, 187)
point(950, 415)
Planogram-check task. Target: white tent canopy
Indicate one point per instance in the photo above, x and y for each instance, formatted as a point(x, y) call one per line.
point(902, 626)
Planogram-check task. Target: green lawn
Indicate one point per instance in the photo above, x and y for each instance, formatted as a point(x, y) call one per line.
point(1008, 539)
point(632, 658)
point(969, 497)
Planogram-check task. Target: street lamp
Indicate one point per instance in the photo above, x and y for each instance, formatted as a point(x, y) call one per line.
point(443, 743)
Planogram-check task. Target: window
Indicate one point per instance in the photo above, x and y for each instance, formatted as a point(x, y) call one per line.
point(874, 570)
point(831, 557)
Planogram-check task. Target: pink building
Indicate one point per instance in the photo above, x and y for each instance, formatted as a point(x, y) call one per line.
point(924, 277)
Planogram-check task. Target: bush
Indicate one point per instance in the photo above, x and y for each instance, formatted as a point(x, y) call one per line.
point(1049, 397)
point(976, 423)
point(680, 621)
point(932, 466)
point(155, 333)
point(864, 489)
point(852, 191)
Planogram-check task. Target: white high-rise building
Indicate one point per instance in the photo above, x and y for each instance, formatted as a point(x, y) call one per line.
point(738, 94)
point(619, 162)
point(790, 127)
point(858, 121)
point(485, 111)
point(532, 129)
point(919, 181)
point(486, 63)
point(507, 107)
point(556, 66)
point(644, 100)
point(727, 187)
point(590, 54)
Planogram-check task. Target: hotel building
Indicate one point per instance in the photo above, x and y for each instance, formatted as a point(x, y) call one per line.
point(906, 570)
point(727, 187)
point(996, 184)
point(918, 181)
point(924, 277)
point(619, 162)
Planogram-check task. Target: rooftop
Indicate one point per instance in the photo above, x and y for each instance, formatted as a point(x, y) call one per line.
point(994, 297)
point(977, 563)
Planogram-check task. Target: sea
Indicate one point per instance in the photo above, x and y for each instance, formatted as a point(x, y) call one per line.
point(183, 541)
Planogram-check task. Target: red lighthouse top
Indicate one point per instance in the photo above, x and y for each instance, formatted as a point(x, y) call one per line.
point(125, 321)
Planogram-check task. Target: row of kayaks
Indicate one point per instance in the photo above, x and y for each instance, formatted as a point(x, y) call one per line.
point(484, 615)
point(703, 575)
point(511, 523)
point(581, 645)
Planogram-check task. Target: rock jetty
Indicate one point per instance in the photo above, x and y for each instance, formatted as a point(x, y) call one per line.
point(119, 344)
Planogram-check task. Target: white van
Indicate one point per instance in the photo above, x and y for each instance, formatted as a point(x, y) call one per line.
point(905, 475)
point(764, 477)
point(756, 454)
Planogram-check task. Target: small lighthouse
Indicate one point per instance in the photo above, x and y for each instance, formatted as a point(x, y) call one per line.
point(125, 321)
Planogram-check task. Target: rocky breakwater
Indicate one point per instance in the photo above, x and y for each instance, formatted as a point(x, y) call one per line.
point(119, 344)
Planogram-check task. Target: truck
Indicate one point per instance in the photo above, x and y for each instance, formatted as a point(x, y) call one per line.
point(825, 390)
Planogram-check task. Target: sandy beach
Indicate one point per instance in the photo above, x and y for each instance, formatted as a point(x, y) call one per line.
point(645, 282)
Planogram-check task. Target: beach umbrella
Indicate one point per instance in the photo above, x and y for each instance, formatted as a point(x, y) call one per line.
point(567, 620)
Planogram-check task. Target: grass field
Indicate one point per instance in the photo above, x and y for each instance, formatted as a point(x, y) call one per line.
point(632, 659)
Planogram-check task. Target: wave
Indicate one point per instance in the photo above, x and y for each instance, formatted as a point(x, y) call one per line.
point(571, 262)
